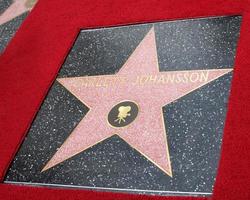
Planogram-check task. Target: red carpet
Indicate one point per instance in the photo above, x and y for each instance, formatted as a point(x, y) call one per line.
point(31, 62)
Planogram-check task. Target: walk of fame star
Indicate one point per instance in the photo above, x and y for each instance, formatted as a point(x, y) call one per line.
point(129, 109)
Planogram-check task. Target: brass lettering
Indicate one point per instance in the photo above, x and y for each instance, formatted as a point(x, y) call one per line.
point(204, 76)
point(194, 77)
point(153, 78)
point(161, 79)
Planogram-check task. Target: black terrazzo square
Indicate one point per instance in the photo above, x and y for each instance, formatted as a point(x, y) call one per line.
point(194, 123)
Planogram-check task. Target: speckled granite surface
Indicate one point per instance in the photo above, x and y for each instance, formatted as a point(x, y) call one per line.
point(17, 16)
point(8, 30)
point(4, 4)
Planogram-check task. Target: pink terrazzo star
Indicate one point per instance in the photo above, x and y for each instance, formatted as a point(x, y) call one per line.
point(146, 133)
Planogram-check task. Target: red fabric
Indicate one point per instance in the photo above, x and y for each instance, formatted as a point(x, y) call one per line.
point(31, 62)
